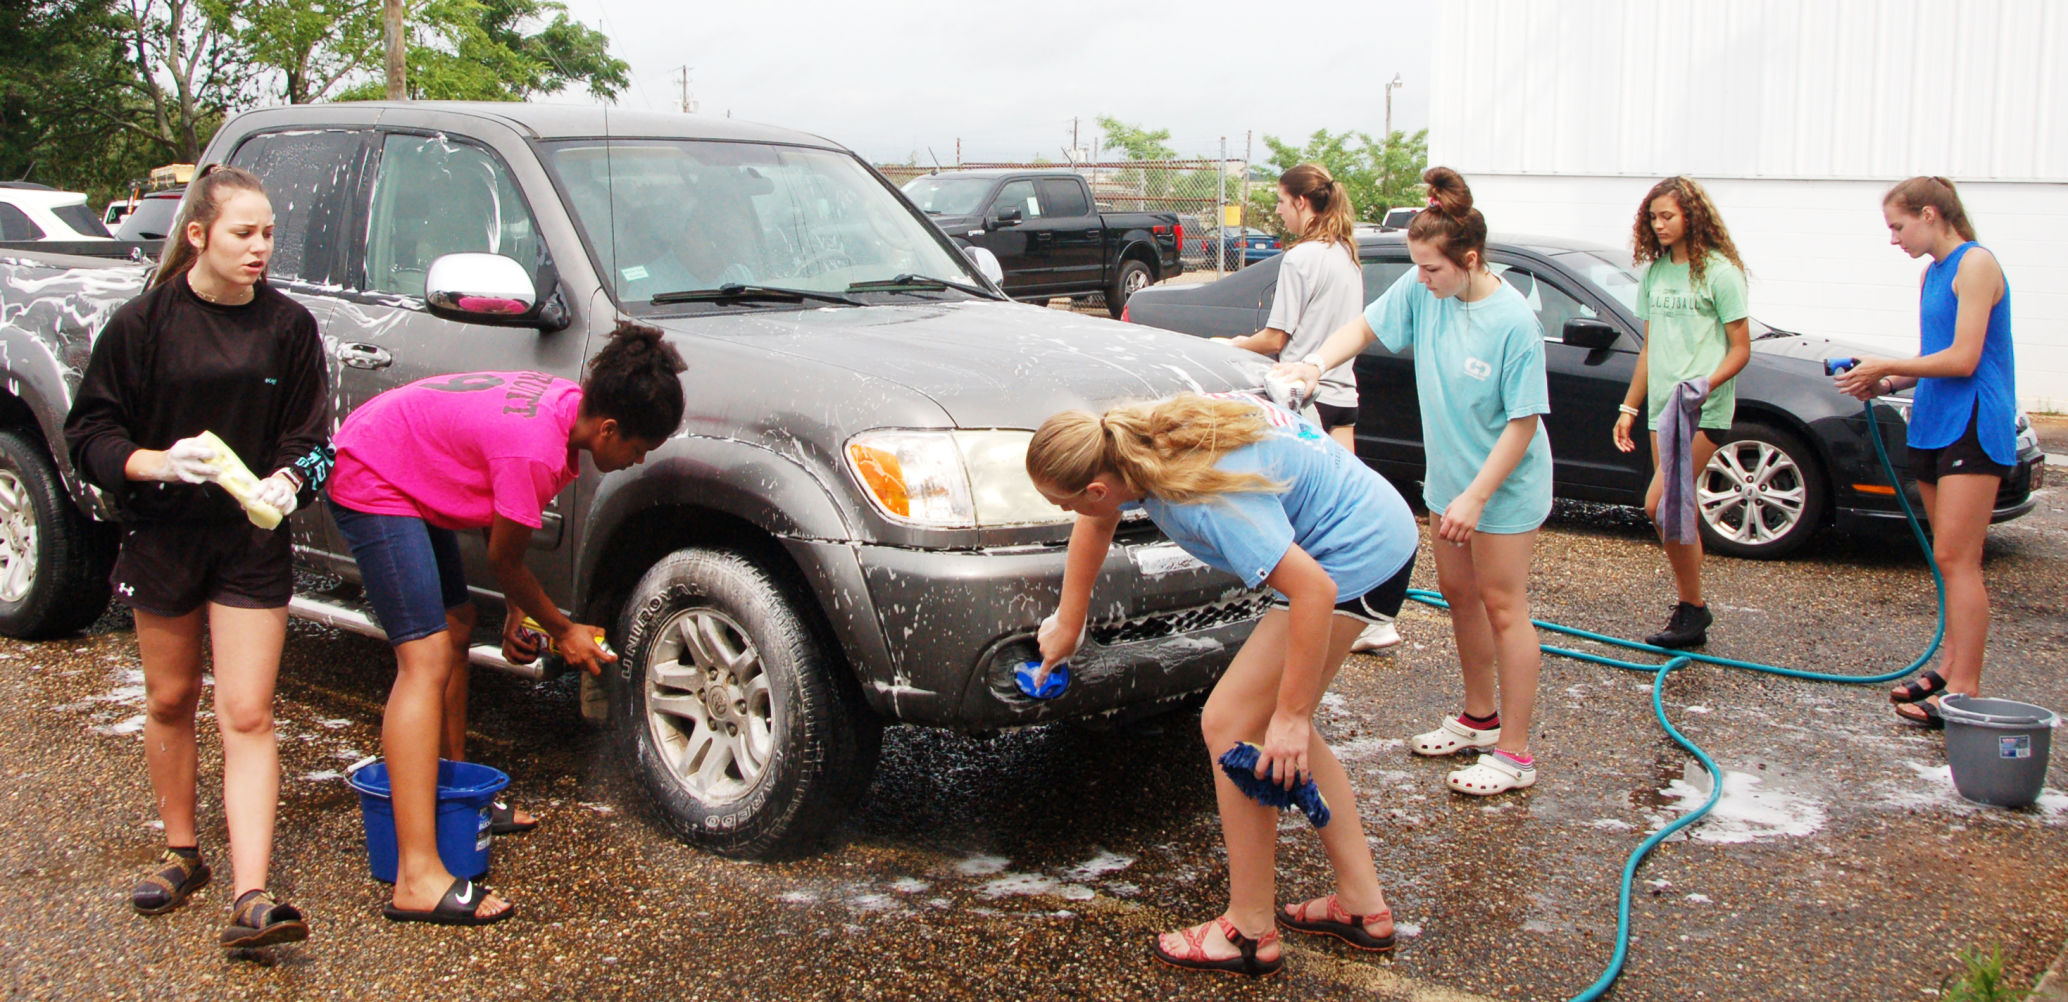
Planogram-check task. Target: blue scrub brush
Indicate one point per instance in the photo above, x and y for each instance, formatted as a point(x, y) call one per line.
point(1058, 679)
point(1240, 763)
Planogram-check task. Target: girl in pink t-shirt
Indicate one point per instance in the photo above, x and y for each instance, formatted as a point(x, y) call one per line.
point(476, 450)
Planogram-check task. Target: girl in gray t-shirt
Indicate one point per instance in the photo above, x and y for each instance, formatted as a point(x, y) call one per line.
point(1319, 289)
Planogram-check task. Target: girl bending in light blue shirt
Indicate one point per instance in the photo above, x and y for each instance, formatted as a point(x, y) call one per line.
point(1479, 372)
point(1253, 491)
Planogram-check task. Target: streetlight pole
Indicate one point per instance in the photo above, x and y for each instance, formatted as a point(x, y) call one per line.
point(1391, 86)
point(393, 18)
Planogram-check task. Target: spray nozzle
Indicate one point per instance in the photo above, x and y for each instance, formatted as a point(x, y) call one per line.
point(1834, 366)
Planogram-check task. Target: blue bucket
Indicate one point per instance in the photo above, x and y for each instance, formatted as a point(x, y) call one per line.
point(466, 792)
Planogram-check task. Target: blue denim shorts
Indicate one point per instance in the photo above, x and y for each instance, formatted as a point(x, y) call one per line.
point(410, 568)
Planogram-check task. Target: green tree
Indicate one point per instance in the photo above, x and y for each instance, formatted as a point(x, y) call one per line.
point(1139, 144)
point(489, 50)
point(63, 95)
point(1377, 176)
point(317, 46)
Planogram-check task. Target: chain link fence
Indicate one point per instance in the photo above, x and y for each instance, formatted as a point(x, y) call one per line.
point(1201, 193)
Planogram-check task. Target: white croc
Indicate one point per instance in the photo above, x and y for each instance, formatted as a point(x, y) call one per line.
point(1492, 774)
point(1376, 637)
point(1452, 737)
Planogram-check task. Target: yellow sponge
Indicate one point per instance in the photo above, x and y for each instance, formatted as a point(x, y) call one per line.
point(236, 478)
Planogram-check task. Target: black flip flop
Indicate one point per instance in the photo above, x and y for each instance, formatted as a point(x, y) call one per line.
point(502, 820)
point(461, 905)
point(1932, 721)
point(257, 920)
point(1926, 685)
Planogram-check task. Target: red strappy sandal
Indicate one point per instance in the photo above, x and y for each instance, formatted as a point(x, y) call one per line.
point(1340, 924)
point(1195, 959)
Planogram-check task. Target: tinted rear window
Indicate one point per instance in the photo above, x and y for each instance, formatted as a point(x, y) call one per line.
point(82, 219)
point(152, 219)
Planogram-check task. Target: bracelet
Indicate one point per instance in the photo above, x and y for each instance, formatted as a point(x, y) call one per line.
point(1627, 409)
point(1887, 385)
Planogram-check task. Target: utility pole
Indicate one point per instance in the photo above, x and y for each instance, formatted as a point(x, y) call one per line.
point(396, 89)
point(689, 107)
point(1221, 212)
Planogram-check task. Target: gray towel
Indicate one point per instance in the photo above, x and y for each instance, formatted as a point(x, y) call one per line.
point(1678, 520)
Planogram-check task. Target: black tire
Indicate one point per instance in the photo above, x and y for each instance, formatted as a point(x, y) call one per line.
point(802, 746)
point(54, 561)
point(1131, 277)
point(1780, 493)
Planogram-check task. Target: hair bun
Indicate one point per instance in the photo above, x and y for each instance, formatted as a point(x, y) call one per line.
point(1448, 192)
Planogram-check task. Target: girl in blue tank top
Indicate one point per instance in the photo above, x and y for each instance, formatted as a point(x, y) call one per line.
point(1963, 421)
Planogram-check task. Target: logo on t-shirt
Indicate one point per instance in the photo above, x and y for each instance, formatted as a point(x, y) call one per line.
point(1477, 369)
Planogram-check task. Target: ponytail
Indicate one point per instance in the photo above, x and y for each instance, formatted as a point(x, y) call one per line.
point(1450, 223)
point(1165, 448)
point(633, 382)
point(203, 205)
point(1334, 217)
point(1916, 194)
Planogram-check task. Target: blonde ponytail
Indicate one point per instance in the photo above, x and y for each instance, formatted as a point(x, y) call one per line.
point(1165, 449)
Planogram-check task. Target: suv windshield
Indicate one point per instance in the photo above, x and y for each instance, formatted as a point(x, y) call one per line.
point(947, 196)
point(675, 216)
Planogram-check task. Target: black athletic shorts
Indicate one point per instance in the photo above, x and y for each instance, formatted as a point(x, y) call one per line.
point(1964, 456)
point(171, 568)
point(1333, 417)
point(1378, 605)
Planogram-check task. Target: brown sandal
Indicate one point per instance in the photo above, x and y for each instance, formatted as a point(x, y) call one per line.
point(1195, 959)
point(168, 886)
point(257, 920)
point(1340, 924)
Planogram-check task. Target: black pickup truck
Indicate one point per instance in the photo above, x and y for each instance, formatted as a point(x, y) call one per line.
point(1049, 236)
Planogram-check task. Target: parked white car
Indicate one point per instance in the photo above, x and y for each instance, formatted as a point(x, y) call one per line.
point(37, 212)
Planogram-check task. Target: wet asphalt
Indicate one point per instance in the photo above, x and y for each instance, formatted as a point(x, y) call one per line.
point(1036, 864)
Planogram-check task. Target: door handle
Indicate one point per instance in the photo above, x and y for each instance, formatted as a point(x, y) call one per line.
point(360, 355)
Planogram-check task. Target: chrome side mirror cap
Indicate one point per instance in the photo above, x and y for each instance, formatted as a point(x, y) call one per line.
point(986, 262)
point(481, 288)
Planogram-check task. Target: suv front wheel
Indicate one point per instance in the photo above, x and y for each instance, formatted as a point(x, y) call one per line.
point(750, 737)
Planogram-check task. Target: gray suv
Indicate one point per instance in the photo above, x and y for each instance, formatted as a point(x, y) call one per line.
point(840, 535)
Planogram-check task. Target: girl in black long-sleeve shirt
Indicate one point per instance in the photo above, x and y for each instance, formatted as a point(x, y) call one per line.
point(209, 346)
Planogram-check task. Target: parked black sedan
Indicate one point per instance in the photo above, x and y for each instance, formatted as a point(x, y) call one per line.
point(1796, 460)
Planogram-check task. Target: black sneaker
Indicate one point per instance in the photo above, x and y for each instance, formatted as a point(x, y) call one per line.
point(1689, 627)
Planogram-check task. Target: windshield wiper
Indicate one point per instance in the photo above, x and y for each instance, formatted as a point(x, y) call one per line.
point(908, 281)
point(734, 292)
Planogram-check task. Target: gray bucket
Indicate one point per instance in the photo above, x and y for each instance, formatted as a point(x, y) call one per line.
point(1998, 748)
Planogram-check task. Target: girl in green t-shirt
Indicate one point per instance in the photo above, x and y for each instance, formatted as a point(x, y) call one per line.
point(1692, 302)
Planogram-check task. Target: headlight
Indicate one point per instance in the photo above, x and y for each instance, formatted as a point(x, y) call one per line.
point(950, 479)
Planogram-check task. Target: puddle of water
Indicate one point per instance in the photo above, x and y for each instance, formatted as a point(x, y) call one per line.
point(1098, 866)
point(1746, 812)
point(981, 865)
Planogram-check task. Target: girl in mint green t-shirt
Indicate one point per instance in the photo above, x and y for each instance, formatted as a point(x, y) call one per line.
point(1692, 302)
point(1479, 371)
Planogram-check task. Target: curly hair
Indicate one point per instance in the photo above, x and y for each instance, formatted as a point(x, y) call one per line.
point(1165, 448)
point(633, 381)
point(1704, 231)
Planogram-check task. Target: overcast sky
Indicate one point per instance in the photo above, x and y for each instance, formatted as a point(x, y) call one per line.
point(894, 77)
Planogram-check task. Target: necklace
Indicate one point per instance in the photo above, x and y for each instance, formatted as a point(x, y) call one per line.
point(249, 294)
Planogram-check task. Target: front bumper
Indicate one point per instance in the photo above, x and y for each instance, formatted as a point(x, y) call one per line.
point(1862, 500)
point(953, 626)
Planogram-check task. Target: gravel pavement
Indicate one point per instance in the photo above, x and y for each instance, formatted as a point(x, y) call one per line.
point(1036, 864)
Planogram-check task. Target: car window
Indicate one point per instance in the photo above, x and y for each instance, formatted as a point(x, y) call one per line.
point(434, 197)
point(152, 219)
point(80, 218)
point(1062, 197)
point(1553, 305)
point(1380, 276)
point(16, 224)
point(1617, 280)
point(945, 195)
point(307, 176)
point(1017, 195)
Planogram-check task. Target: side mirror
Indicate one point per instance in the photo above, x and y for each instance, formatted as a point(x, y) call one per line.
point(481, 289)
point(986, 262)
point(1005, 217)
point(1591, 334)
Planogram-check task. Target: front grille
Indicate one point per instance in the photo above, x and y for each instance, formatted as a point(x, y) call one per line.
point(1249, 606)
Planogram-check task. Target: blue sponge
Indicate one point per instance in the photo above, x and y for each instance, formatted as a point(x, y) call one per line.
point(1240, 763)
point(1058, 679)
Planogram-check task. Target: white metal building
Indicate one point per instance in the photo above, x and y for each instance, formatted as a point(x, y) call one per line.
point(1797, 116)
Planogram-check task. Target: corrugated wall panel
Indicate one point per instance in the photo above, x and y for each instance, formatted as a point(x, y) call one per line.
point(1758, 88)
